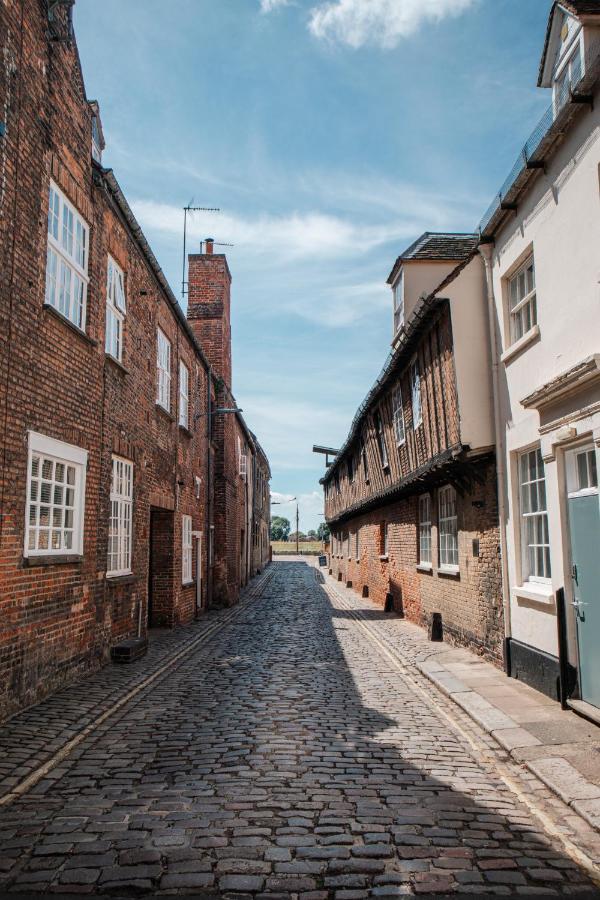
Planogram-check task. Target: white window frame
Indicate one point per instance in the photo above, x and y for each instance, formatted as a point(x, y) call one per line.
point(380, 436)
point(564, 73)
point(116, 308)
point(415, 390)
point(184, 395)
point(398, 416)
point(186, 550)
point(163, 369)
point(425, 532)
point(67, 259)
point(42, 448)
point(522, 308)
point(448, 528)
point(534, 518)
point(121, 518)
point(357, 544)
point(386, 540)
point(398, 292)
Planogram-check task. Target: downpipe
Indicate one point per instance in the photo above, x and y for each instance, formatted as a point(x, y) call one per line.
point(486, 251)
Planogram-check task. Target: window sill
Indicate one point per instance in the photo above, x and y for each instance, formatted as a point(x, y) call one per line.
point(532, 335)
point(449, 571)
point(74, 328)
point(425, 567)
point(185, 431)
point(164, 412)
point(117, 580)
point(188, 583)
point(539, 593)
point(50, 559)
point(115, 362)
point(384, 557)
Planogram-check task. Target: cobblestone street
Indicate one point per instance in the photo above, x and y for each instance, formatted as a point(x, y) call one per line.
point(292, 754)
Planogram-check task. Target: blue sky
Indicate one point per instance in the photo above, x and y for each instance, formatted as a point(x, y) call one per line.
point(331, 133)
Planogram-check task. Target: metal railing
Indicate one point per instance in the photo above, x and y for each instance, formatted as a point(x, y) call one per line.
point(573, 91)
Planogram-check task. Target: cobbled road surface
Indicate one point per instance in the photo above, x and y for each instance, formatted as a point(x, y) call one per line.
point(291, 755)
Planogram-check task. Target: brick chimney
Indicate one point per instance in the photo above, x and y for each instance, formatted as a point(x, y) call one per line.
point(209, 307)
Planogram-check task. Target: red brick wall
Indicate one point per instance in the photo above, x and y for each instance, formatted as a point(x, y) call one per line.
point(470, 602)
point(61, 619)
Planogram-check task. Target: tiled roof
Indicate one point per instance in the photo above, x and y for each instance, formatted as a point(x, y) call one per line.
point(437, 245)
point(582, 7)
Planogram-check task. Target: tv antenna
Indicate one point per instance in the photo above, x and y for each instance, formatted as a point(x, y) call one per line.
point(215, 244)
point(190, 209)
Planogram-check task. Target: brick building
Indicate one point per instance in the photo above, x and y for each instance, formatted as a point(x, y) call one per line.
point(411, 496)
point(120, 477)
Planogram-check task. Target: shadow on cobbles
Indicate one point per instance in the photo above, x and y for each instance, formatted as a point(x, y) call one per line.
point(285, 758)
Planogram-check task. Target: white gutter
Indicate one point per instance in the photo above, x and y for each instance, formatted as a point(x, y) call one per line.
point(486, 251)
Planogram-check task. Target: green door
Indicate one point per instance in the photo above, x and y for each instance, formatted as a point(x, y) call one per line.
point(584, 526)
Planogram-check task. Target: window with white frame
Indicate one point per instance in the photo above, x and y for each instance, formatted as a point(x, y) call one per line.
point(448, 526)
point(415, 385)
point(67, 259)
point(357, 543)
point(398, 415)
point(121, 518)
point(186, 549)
point(386, 539)
point(115, 310)
point(380, 436)
point(522, 300)
point(425, 558)
point(163, 365)
point(55, 497)
point(535, 539)
point(399, 303)
point(184, 395)
point(568, 77)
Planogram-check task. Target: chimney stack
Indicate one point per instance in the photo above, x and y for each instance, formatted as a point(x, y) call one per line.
point(208, 312)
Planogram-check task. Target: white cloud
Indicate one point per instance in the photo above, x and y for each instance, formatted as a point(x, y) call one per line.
point(267, 6)
point(380, 22)
point(291, 236)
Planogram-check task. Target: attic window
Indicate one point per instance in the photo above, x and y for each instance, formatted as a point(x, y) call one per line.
point(96, 140)
point(567, 78)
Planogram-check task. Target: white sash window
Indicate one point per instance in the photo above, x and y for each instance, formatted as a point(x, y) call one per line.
point(115, 310)
point(186, 549)
point(184, 395)
point(163, 364)
point(121, 518)
point(55, 497)
point(67, 259)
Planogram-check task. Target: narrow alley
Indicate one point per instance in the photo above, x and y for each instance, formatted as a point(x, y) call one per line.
point(283, 751)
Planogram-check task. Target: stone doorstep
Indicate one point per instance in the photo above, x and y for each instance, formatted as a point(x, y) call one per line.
point(562, 778)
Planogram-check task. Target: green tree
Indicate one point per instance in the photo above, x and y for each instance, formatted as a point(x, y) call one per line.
point(312, 535)
point(280, 528)
point(323, 532)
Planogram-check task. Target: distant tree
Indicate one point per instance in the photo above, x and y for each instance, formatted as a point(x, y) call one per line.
point(312, 535)
point(280, 528)
point(323, 533)
point(301, 536)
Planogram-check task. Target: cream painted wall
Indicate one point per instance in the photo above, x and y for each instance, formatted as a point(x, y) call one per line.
point(560, 221)
point(472, 357)
point(421, 277)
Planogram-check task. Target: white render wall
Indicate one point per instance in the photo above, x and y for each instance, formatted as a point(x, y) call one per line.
point(560, 220)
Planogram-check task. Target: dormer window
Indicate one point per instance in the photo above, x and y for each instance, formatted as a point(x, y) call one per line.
point(568, 76)
point(96, 148)
point(398, 291)
point(98, 142)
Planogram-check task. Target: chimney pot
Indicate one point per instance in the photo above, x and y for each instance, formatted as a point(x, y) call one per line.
point(210, 243)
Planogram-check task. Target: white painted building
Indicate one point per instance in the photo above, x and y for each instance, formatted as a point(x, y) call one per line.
point(541, 243)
